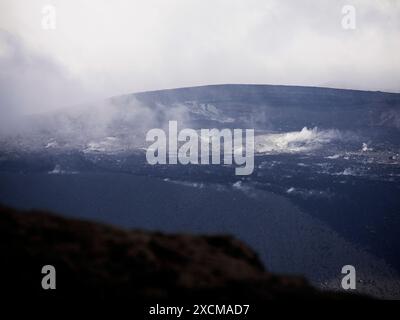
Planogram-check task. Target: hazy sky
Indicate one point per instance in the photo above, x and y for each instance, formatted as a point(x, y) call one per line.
point(101, 47)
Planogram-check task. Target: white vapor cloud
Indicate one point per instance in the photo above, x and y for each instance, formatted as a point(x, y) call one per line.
point(31, 82)
point(112, 47)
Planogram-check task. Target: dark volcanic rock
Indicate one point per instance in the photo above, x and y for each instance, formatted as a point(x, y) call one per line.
point(94, 260)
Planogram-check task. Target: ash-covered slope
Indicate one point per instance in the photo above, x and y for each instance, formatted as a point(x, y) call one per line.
point(97, 261)
point(283, 107)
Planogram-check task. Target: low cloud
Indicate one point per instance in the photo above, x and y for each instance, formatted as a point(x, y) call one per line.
point(31, 82)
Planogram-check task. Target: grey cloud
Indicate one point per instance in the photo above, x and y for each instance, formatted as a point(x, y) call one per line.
point(31, 82)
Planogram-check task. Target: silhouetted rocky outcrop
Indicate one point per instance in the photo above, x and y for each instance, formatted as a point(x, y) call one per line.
point(100, 261)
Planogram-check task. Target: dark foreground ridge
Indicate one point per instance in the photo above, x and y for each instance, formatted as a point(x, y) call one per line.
point(103, 262)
